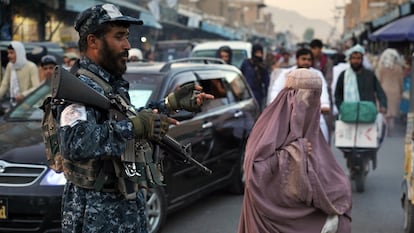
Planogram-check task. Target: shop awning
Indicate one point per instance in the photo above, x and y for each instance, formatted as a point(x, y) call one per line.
point(223, 31)
point(399, 30)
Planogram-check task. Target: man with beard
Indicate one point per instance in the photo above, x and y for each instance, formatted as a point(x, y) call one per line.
point(358, 83)
point(103, 193)
point(304, 58)
point(257, 75)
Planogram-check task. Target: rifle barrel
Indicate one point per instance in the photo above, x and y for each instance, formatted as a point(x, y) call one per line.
point(185, 150)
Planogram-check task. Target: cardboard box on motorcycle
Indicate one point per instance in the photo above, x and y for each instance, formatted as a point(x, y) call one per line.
point(361, 135)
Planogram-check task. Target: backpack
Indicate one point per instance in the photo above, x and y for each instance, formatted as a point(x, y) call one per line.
point(50, 127)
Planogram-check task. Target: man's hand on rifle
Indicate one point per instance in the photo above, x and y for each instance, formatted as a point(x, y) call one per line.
point(151, 125)
point(188, 97)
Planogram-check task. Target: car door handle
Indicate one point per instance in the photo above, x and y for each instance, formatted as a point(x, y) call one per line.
point(238, 114)
point(207, 125)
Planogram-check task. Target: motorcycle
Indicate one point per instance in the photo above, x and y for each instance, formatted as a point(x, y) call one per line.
point(359, 144)
point(358, 161)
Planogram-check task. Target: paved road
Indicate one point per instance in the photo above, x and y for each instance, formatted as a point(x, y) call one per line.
point(377, 210)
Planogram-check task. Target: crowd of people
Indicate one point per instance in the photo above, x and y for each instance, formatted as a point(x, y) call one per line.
point(301, 99)
point(22, 75)
point(293, 182)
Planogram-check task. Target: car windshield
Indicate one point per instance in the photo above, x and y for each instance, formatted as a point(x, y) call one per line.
point(28, 109)
point(143, 88)
point(237, 58)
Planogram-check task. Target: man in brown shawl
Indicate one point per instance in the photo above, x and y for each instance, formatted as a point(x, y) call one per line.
point(293, 182)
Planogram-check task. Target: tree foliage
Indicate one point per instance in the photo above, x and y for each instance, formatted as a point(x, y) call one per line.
point(308, 34)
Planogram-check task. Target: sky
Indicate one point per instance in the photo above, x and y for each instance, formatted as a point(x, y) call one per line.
point(315, 9)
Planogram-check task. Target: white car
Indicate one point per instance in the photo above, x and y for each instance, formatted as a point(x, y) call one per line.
point(241, 50)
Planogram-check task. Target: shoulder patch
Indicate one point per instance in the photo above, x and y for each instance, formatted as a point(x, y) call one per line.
point(72, 115)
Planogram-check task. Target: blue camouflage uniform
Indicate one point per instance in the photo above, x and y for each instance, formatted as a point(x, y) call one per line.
point(87, 210)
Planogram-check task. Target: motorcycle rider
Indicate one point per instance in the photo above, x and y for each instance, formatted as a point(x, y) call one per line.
point(357, 83)
point(367, 84)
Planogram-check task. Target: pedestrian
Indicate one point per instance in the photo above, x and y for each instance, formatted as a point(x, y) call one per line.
point(256, 74)
point(284, 61)
point(21, 76)
point(390, 73)
point(293, 181)
point(270, 60)
point(358, 83)
point(69, 60)
point(47, 65)
point(304, 59)
point(225, 53)
point(134, 54)
point(338, 68)
point(323, 63)
point(104, 193)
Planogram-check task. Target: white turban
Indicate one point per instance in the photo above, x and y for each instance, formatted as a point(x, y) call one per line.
point(356, 49)
point(134, 52)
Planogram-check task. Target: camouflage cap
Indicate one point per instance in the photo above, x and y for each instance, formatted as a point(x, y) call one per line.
point(89, 19)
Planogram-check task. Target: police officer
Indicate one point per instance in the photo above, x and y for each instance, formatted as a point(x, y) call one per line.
point(98, 196)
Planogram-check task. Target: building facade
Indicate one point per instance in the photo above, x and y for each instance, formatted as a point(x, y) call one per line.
point(52, 20)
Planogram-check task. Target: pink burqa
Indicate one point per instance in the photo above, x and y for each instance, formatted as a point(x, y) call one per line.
point(287, 190)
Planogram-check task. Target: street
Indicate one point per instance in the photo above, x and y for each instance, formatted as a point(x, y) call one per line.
point(377, 210)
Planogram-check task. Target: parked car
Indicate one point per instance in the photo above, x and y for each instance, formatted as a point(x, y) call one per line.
point(30, 192)
point(241, 50)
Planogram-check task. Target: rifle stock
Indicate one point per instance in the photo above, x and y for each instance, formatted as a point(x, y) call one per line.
point(63, 85)
point(67, 86)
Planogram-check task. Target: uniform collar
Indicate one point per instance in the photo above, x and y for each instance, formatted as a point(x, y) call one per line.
point(88, 64)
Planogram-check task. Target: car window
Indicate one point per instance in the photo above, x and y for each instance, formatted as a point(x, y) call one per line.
point(29, 109)
point(180, 79)
point(217, 88)
point(143, 88)
point(237, 86)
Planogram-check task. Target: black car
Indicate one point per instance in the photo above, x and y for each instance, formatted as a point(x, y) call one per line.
point(30, 192)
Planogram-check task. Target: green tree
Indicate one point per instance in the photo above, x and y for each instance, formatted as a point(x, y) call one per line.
point(308, 34)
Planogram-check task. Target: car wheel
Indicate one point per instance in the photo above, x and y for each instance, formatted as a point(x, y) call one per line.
point(156, 209)
point(238, 179)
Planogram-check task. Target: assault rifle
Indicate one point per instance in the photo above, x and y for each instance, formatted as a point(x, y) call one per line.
point(64, 84)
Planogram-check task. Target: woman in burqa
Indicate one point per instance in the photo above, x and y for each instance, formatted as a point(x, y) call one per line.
point(293, 182)
point(390, 74)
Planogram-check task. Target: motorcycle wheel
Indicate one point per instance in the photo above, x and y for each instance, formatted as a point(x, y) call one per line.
point(408, 216)
point(360, 181)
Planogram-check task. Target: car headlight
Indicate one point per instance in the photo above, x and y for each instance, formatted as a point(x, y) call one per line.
point(53, 179)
